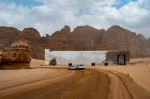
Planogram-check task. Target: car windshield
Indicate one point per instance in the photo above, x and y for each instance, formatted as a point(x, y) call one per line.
point(79, 65)
point(71, 66)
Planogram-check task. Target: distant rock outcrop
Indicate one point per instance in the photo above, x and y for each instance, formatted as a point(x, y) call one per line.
point(7, 36)
point(118, 38)
point(37, 44)
point(149, 42)
point(0, 59)
point(86, 38)
point(29, 35)
point(115, 38)
point(82, 38)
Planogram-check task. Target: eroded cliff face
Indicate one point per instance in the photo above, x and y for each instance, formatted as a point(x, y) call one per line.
point(0, 59)
point(60, 40)
point(121, 39)
point(57, 41)
point(82, 38)
point(149, 42)
point(7, 36)
point(37, 44)
point(29, 35)
point(115, 38)
point(86, 38)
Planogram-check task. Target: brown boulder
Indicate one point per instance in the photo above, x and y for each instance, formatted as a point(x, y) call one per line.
point(53, 62)
point(16, 56)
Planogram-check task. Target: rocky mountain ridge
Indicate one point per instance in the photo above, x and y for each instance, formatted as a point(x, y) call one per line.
point(7, 35)
point(81, 38)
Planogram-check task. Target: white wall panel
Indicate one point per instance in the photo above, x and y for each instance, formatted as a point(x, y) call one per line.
point(75, 57)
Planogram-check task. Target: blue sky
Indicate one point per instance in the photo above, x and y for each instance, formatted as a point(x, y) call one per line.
point(122, 3)
point(31, 3)
point(48, 16)
point(28, 3)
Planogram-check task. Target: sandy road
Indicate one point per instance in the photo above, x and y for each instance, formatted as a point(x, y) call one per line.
point(80, 84)
point(124, 87)
point(76, 84)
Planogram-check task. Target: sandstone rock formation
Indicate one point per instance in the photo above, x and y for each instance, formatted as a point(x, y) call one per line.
point(16, 55)
point(86, 38)
point(53, 62)
point(121, 39)
point(82, 38)
point(0, 58)
point(37, 44)
point(29, 35)
point(115, 38)
point(7, 35)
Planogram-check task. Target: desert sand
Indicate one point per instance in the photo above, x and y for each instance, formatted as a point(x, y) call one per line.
point(140, 72)
point(95, 82)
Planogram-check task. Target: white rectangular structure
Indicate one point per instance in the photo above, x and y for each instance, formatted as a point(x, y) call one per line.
point(75, 57)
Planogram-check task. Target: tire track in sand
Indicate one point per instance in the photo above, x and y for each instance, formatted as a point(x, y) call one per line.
point(82, 84)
